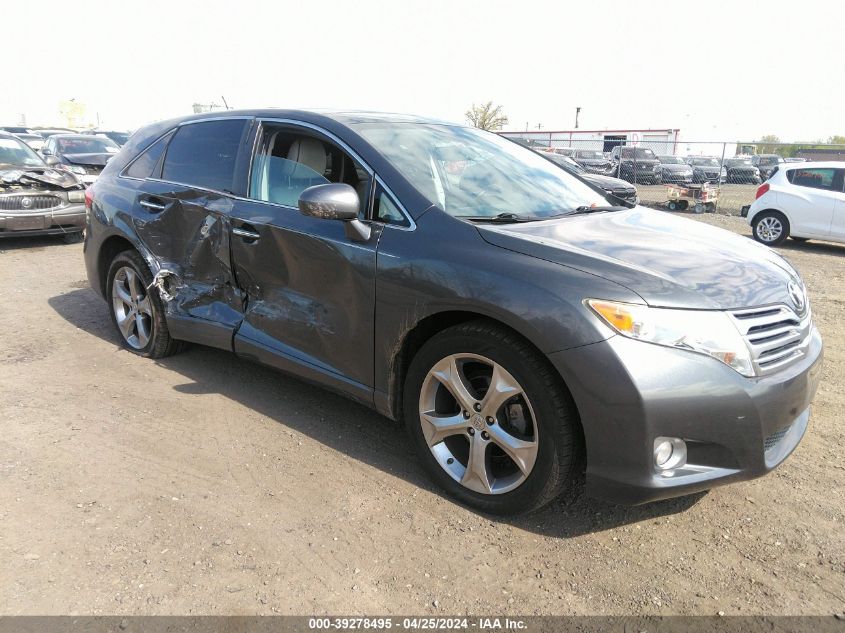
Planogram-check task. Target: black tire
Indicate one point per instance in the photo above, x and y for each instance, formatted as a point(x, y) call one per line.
point(558, 428)
point(683, 204)
point(160, 342)
point(673, 206)
point(761, 235)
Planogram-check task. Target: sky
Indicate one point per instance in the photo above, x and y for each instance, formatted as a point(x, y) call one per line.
point(716, 70)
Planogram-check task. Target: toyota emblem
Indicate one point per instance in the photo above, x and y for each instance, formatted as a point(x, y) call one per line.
point(796, 294)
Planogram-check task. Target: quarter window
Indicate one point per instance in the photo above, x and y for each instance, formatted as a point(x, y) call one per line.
point(816, 178)
point(145, 164)
point(204, 154)
point(385, 209)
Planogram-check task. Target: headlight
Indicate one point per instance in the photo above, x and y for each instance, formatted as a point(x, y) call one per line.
point(76, 196)
point(702, 331)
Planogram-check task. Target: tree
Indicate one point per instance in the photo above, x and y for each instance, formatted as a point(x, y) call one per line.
point(486, 116)
point(768, 144)
point(836, 139)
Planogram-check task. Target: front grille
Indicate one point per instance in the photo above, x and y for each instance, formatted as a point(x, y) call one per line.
point(774, 439)
point(776, 336)
point(29, 203)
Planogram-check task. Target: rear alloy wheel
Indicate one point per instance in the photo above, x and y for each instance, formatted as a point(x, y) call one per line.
point(490, 419)
point(136, 308)
point(771, 228)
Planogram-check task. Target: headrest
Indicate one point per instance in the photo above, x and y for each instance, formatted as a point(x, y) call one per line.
point(309, 152)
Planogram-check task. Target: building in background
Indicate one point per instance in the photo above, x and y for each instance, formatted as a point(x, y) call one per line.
point(660, 141)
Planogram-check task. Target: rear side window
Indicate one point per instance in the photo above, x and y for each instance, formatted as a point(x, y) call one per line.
point(204, 154)
point(816, 178)
point(145, 164)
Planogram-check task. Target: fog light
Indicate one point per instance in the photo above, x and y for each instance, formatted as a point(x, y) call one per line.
point(669, 453)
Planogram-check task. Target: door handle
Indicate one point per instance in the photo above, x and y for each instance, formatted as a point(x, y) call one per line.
point(154, 207)
point(246, 234)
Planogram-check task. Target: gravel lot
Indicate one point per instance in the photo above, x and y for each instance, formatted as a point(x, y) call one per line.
point(202, 484)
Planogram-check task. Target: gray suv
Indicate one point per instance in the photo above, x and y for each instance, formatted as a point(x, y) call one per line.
point(519, 320)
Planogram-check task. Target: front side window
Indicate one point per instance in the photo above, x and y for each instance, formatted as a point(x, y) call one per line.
point(15, 153)
point(289, 161)
point(472, 173)
point(204, 154)
point(816, 178)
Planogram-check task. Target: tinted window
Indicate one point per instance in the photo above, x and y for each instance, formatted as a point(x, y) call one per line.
point(815, 178)
point(144, 165)
point(204, 154)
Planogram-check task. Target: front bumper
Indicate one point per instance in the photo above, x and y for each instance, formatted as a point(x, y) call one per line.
point(628, 393)
point(67, 219)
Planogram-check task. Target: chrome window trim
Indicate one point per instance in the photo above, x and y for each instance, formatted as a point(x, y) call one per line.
point(412, 225)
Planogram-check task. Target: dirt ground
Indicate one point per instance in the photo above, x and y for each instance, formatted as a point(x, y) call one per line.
point(203, 484)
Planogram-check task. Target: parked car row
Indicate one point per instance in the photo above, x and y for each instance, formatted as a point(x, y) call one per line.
point(83, 154)
point(641, 165)
point(36, 199)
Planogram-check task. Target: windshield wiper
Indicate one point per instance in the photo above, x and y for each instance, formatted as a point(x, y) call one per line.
point(502, 218)
point(586, 209)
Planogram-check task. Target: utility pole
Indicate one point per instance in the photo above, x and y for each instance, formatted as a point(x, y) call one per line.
point(224, 102)
point(577, 112)
point(539, 125)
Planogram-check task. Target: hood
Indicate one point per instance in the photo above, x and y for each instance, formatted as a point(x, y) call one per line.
point(606, 182)
point(674, 167)
point(594, 161)
point(98, 160)
point(667, 260)
point(44, 178)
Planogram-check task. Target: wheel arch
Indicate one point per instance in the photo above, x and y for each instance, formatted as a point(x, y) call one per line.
point(109, 249)
point(430, 326)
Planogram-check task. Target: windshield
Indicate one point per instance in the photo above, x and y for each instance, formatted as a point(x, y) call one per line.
point(118, 137)
point(92, 145)
point(18, 154)
point(472, 173)
point(671, 160)
point(705, 162)
point(738, 161)
point(638, 152)
point(588, 154)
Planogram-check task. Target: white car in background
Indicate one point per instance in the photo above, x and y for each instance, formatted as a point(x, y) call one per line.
point(802, 201)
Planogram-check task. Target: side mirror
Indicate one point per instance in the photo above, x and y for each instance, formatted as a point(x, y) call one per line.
point(335, 201)
point(44, 151)
point(51, 160)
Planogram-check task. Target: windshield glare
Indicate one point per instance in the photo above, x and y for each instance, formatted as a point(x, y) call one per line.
point(17, 153)
point(472, 173)
point(92, 145)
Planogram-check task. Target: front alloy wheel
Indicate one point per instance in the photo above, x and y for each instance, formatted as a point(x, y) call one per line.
point(478, 423)
point(491, 419)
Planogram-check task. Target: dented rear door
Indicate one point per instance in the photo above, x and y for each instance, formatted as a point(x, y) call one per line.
point(187, 233)
point(182, 217)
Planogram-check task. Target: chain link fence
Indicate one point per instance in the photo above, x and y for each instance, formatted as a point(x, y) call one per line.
point(692, 176)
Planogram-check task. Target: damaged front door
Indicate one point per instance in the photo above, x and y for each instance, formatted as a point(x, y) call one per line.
point(185, 228)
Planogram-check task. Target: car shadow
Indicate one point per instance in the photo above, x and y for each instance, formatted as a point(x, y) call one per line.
point(345, 426)
point(820, 248)
point(34, 242)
